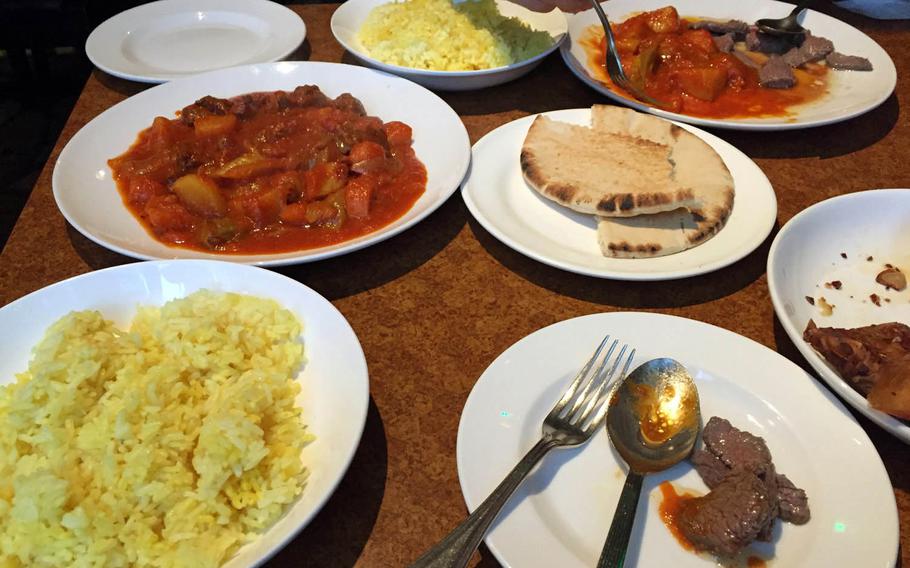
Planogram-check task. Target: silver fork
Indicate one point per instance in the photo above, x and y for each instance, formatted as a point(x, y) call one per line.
point(571, 422)
point(614, 65)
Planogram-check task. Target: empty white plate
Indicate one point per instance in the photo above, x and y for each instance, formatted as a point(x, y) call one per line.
point(500, 199)
point(165, 40)
point(806, 254)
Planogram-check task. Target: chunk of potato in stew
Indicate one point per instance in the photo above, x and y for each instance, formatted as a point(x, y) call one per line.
point(269, 172)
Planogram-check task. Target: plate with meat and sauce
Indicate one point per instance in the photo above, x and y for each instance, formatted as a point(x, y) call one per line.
point(725, 74)
point(169, 39)
point(565, 506)
point(828, 265)
point(266, 164)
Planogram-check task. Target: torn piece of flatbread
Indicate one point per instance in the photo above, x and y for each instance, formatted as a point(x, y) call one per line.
point(601, 172)
point(697, 165)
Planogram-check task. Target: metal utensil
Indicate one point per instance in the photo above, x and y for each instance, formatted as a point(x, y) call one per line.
point(571, 422)
point(653, 423)
point(614, 65)
point(784, 26)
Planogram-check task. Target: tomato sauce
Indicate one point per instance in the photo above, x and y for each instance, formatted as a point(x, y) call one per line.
point(683, 68)
point(269, 173)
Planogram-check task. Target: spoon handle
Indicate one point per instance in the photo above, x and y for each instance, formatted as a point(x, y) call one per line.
point(800, 7)
point(614, 552)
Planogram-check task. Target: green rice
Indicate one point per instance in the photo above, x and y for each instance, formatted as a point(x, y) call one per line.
point(171, 444)
point(437, 35)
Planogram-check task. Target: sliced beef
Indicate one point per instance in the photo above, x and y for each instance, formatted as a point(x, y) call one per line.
point(725, 43)
point(776, 74)
point(728, 518)
point(709, 467)
point(767, 43)
point(792, 501)
point(813, 49)
point(840, 61)
point(735, 27)
point(735, 448)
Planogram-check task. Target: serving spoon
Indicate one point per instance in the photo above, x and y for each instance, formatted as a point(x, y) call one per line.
point(784, 26)
point(653, 422)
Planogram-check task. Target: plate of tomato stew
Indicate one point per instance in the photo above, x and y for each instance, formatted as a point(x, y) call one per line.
point(703, 82)
point(265, 164)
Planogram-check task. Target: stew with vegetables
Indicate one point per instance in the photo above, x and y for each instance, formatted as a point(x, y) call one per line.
point(269, 172)
point(672, 61)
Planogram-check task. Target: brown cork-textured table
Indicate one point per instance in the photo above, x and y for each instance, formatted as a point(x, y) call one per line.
point(436, 304)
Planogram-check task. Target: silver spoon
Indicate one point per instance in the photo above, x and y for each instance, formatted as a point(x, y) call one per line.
point(653, 422)
point(784, 26)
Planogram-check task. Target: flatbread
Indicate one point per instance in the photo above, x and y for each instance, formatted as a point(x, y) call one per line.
point(697, 165)
point(601, 172)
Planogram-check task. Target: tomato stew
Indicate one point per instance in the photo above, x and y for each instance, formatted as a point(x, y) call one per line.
point(269, 172)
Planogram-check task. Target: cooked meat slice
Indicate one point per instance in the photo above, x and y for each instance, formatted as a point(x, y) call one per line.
point(766, 43)
point(891, 391)
point(735, 448)
point(843, 62)
point(776, 74)
point(736, 27)
point(858, 353)
point(792, 501)
point(729, 517)
point(709, 467)
point(813, 48)
point(725, 43)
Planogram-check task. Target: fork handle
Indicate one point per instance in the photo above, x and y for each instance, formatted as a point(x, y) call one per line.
point(456, 549)
point(614, 553)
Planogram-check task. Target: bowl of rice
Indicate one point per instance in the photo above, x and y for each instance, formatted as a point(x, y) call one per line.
point(172, 413)
point(448, 46)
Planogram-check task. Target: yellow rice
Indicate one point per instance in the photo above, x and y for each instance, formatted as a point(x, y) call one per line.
point(437, 35)
point(171, 444)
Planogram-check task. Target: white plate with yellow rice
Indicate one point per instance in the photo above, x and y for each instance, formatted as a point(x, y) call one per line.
point(189, 410)
point(445, 45)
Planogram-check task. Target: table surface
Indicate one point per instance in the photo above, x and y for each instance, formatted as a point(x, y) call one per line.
point(401, 492)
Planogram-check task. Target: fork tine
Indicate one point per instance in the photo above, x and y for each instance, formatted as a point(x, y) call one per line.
point(603, 381)
point(579, 400)
point(605, 403)
point(570, 392)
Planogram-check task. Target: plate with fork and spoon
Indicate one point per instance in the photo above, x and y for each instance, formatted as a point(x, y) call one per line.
point(560, 514)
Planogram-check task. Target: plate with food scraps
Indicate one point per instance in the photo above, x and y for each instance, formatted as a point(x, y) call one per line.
point(456, 59)
point(271, 319)
point(566, 505)
point(830, 264)
point(820, 94)
point(165, 40)
point(499, 197)
point(291, 173)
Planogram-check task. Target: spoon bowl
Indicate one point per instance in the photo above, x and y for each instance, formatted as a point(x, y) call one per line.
point(653, 422)
point(788, 26)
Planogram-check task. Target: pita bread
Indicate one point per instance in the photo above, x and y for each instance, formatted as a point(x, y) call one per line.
point(697, 165)
point(601, 172)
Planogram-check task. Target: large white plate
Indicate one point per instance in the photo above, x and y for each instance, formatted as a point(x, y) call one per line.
point(851, 92)
point(88, 197)
point(349, 17)
point(807, 253)
point(566, 506)
point(334, 379)
point(169, 39)
point(499, 198)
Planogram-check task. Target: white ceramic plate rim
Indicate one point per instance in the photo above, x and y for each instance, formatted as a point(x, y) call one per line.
point(748, 177)
point(619, 9)
point(440, 140)
point(516, 428)
point(891, 424)
point(43, 308)
point(352, 45)
point(286, 32)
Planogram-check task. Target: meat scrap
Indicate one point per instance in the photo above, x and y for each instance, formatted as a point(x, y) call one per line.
point(746, 496)
point(893, 278)
point(736, 27)
point(776, 74)
point(725, 43)
point(843, 62)
point(813, 48)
